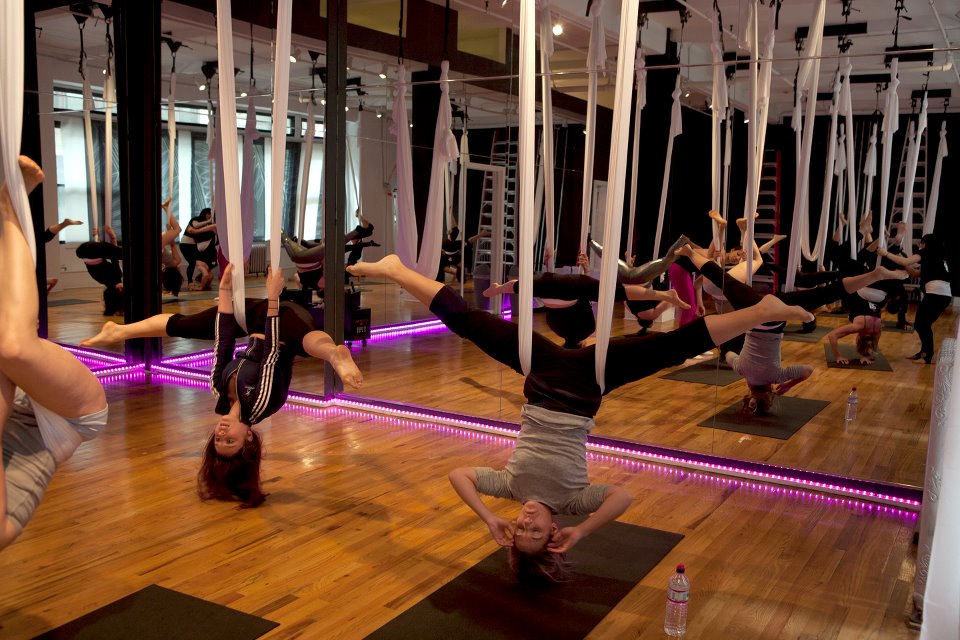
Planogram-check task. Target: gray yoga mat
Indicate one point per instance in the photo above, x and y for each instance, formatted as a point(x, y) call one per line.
point(794, 334)
point(849, 352)
point(707, 372)
point(485, 602)
point(156, 613)
point(786, 417)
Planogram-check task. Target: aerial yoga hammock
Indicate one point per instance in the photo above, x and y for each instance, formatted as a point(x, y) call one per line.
point(930, 216)
point(596, 63)
point(913, 156)
point(545, 28)
point(891, 122)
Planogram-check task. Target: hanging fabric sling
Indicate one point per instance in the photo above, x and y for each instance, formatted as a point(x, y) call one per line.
point(596, 62)
point(88, 137)
point(719, 102)
point(109, 99)
point(545, 27)
point(278, 132)
point(869, 170)
point(846, 109)
point(406, 241)
point(911, 178)
point(171, 124)
point(750, 197)
point(676, 128)
point(11, 113)
point(641, 83)
point(526, 172)
point(616, 179)
point(305, 171)
point(819, 250)
point(807, 79)
point(930, 217)
point(891, 122)
point(839, 174)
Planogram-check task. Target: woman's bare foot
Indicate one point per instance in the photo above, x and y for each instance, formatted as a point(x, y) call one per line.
point(772, 309)
point(110, 333)
point(384, 268)
point(716, 217)
point(890, 274)
point(674, 298)
point(873, 245)
point(32, 173)
point(866, 225)
point(51, 283)
point(342, 362)
point(497, 289)
point(68, 222)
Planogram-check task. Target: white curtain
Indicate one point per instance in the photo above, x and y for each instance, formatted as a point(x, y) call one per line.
point(444, 152)
point(596, 62)
point(911, 178)
point(930, 216)
point(406, 240)
point(807, 80)
point(281, 86)
point(227, 110)
point(616, 183)
point(11, 113)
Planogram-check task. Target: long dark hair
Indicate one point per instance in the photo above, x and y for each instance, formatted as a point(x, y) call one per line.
point(233, 478)
point(112, 301)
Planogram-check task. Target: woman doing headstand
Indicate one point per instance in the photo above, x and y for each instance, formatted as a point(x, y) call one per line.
point(547, 472)
point(248, 388)
point(102, 260)
point(199, 248)
point(49, 401)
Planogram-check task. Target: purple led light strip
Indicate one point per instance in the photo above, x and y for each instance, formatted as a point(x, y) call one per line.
point(896, 495)
point(93, 354)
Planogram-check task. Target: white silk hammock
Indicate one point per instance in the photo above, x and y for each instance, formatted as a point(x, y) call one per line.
point(406, 240)
point(305, 173)
point(109, 100)
point(819, 251)
point(807, 80)
point(846, 109)
point(247, 196)
point(525, 164)
point(171, 131)
point(91, 166)
point(230, 192)
point(545, 28)
point(839, 173)
point(596, 62)
point(278, 132)
point(676, 128)
point(930, 216)
point(445, 151)
point(869, 170)
point(719, 104)
point(891, 122)
point(640, 71)
point(616, 179)
point(914, 157)
point(11, 114)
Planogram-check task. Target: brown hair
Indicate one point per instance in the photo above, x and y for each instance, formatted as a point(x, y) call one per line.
point(233, 478)
point(758, 401)
point(539, 566)
point(866, 345)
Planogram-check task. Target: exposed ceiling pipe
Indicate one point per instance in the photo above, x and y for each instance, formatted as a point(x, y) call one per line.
point(946, 40)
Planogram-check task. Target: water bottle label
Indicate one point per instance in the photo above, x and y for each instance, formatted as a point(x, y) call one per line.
point(677, 596)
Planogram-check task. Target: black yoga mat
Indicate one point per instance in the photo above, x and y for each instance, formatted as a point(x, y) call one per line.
point(486, 602)
point(786, 417)
point(793, 333)
point(849, 352)
point(156, 613)
point(707, 372)
point(67, 301)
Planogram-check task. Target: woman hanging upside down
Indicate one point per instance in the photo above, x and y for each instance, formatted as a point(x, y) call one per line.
point(249, 388)
point(759, 361)
point(547, 472)
point(49, 402)
point(102, 260)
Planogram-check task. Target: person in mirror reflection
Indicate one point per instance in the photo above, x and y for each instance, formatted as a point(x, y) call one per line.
point(759, 359)
point(199, 247)
point(170, 258)
point(249, 386)
point(930, 264)
point(50, 403)
point(102, 260)
point(49, 234)
point(547, 471)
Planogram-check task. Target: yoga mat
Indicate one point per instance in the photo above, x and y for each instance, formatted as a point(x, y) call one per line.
point(793, 333)
point(486, 602)
point(849, 352)
point(708, 372)
point(786, 417)
point(156, 613)
point(67, 301)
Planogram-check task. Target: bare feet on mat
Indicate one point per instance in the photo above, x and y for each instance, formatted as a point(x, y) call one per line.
point(343, 364)
point(110, 333)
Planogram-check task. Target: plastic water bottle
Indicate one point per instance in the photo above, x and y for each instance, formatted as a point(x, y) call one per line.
point(678, 592)
point(853, 399)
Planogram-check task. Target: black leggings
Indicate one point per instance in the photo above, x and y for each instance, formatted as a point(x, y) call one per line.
point(929, 310)
point(564, 379)
point(295, 323)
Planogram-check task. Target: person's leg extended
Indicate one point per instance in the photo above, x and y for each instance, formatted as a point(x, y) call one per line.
point(739, 294)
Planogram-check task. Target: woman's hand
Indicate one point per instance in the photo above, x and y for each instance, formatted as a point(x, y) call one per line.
point(275, 283)
point(501, 531)
point(842, 360)
point(564, 540)
point(226, 278)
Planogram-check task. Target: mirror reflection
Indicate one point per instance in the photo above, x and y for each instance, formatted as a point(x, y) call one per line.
point(707, 228)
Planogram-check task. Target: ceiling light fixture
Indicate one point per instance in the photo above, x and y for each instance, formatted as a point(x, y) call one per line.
point(383, 76)
point(379, 115)
point(243, 94)
point(203, 86)
point(323, 103)
point(746, 121)
point(558, 29)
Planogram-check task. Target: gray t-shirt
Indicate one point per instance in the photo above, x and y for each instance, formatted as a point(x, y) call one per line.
point(549, 464)
point(759, 360)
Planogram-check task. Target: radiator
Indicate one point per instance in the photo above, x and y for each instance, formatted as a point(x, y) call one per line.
point(259, 254)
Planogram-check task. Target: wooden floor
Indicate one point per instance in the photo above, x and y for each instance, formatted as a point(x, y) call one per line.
point(362, 524)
